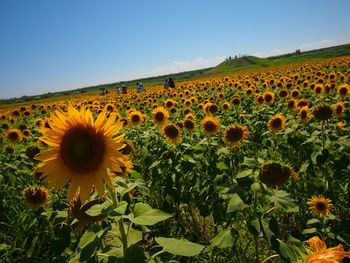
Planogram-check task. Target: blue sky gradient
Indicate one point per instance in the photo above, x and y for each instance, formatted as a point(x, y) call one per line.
point(61, 45)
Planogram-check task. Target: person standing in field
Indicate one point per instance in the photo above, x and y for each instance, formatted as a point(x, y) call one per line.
point(171, 83)
point(166, 84)
point(124, 89)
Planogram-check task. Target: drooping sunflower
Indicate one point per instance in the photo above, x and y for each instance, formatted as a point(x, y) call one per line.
point(211, 125)
point(323, 112)
point(235, 134)
point(339, 109)
point(14, 135)
point(274, 174)
point(160, 115)
point(189, 124)
point(172, 133)
point(82, 150)
point(304, 114)
point(277, 123)
point(319, 205)
point(36, 196)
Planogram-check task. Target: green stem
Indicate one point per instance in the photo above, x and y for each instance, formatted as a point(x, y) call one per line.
point(256, 241)
point(156, 255)
point(124, 237)
point(323, 138)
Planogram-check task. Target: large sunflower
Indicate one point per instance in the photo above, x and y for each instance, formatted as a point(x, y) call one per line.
point(277, 123)
point(82, 151)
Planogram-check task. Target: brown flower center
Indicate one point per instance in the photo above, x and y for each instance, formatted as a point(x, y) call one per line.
point(83, 149)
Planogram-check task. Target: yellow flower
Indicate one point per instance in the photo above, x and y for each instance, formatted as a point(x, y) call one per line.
point(82, 151)
point(172, 132)
point(277, 123)
point(211, 125)
point(319, 253)
point(36, 196)
point(160, 115)
point(14, 135)
point(234, 135)
point(319, 205)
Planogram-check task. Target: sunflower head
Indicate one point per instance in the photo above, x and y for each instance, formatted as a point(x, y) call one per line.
point(277, 123)
point(160, 115)
point(210, 125)
point(344, 90)
point(274, 174)
point(172, 133)
point(323, 112)
point(14, 135)
point(269, 97)
point(82, 150)
point(304, 114)
point(339, 109)
point(135, 118)
point(319, 205)
point(36, 196)
point(234, 135)
point(189, 124)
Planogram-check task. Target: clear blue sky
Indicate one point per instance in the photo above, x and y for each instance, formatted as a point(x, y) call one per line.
point(68, 44)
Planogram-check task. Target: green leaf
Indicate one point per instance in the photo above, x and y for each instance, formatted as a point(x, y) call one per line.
point(254, 227)
point(156, 163)
point(134, 236)
point(146, 215)
point(313, 221)
point(223, 239)
point(309, 231)
point(282, 200)
point(236, 204)
point(181, 247)
point(87, 239)
point(221, 166)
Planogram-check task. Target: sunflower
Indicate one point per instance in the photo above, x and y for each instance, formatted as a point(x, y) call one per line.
point(82, 151)
point(172, 133)
point(319, 252)
point(318, 89)
point(323, 112)
point(135, 118)
point(160, 115)
point(319, 205)
point(36, 196)
point(291, 104)
point(344, 90)
point(269, 97)
point(274, 174)
point(189, 124)
point(283, 93)
point(14, 135)
point(277, 123)
point(226, 105)
point(234, 135)
point(339, 109)
point(304, 114)
point(126, 167)
point(210, 125)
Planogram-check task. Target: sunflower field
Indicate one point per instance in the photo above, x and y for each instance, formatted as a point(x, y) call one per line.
point(249, 167)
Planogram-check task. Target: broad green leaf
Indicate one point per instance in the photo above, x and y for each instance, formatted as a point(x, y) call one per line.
point(146, 215)
point(181, 247)
point(134, 236)
point(236, 204)
point(87, 238)
point(282, 200)
point(223, 239)
point(254, 227)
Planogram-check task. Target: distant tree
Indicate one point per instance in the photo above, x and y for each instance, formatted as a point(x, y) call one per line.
point(298, 51)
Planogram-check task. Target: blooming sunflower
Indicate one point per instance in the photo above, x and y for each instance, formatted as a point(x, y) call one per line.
point(344, 90)
point(172, 132)
point(269, 97)
point(319, 205)
point(160, 115)
point(234, 135)
point(82, 151)
point(135, 118)
point(189, 124)
point(319, 253)
point(277, 123)
point(339, 109)
point(14, 135)
point(211, 125)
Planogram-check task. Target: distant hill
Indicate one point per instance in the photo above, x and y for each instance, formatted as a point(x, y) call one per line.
point(226, 67)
